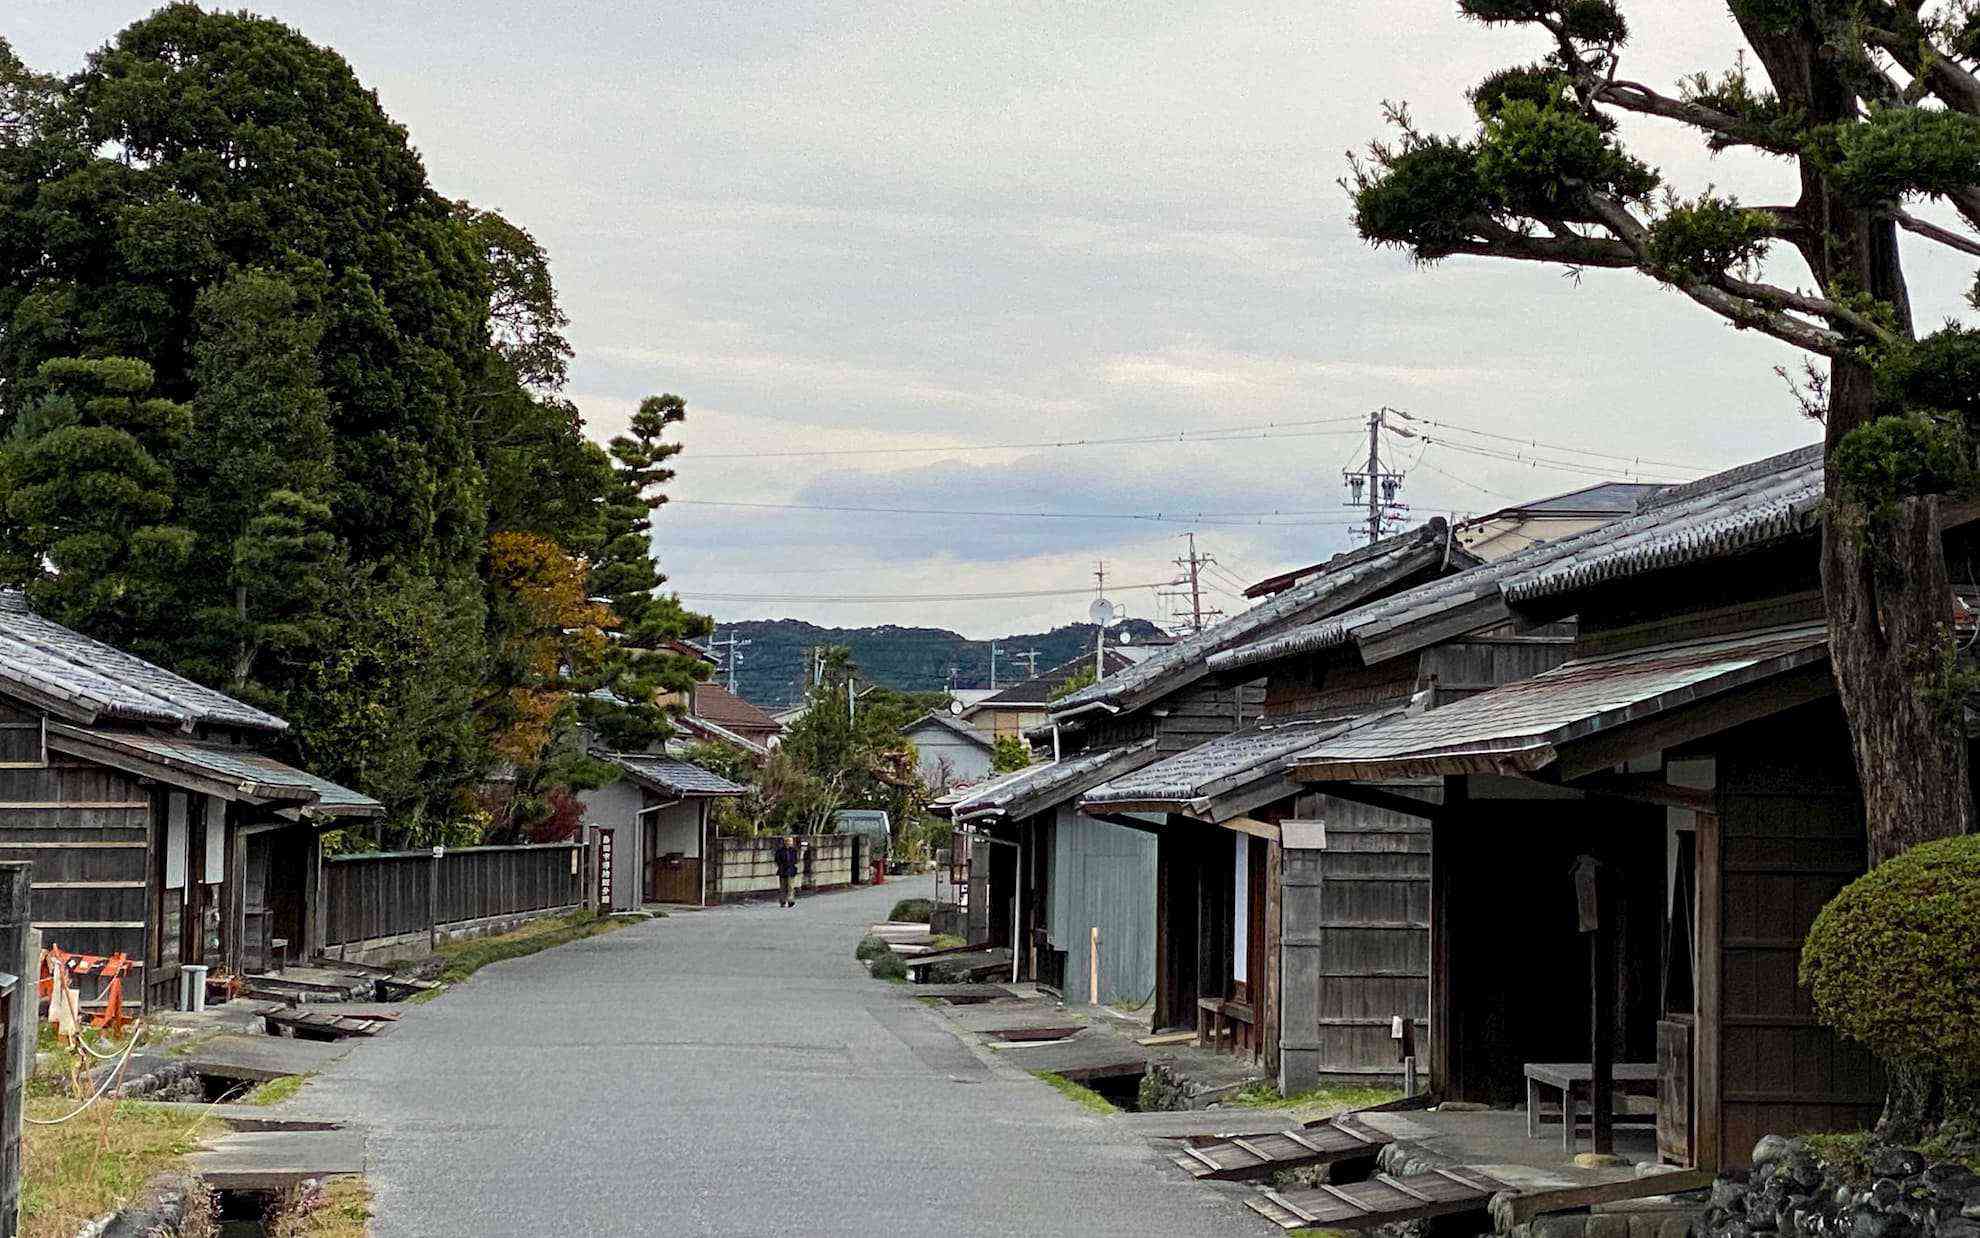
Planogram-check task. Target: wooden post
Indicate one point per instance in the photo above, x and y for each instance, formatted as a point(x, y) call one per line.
point(17, 938)
point(433, 901)
point(1594, 919)
point(1093, 970)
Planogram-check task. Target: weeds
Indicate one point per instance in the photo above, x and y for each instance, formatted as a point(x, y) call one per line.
point(275, 1091)
point(1262, 1095)
point(1078, 1093)
point(912, 910)
point(464, 958)
point(93, 1163)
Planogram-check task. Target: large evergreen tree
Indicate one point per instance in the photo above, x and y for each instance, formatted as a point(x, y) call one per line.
point(1875, 104)
point(641, 665)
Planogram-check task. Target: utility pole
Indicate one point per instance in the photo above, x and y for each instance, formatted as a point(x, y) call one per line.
point(734, 655)
point(1192, 565)
point(1374, 484)
point(993, 666)
point(1030, 659)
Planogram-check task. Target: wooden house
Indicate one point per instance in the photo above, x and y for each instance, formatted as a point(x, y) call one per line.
point(1057, 874)
point(1693, 745)
point(652, 830)
point(1307, 943)
point(157, 824)
point(1014, 711)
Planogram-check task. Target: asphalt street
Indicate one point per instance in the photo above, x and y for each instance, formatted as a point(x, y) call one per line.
point(731, 1071)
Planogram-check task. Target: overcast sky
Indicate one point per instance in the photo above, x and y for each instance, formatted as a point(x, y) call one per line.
point(847, 226)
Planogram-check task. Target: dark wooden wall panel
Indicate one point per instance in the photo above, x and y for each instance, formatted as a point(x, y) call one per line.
point(1792, 836)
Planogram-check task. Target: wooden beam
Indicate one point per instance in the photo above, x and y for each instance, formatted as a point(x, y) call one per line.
point(1706, 1090)
point(1252, 826)
point(1647, 789)
point(1523, 1207)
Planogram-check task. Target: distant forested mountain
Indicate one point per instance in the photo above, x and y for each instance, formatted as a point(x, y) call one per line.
point(912, 659)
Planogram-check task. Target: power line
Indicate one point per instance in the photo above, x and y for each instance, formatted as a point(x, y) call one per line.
point(1564, 466)
point(904, 597)
point(1150, 517)
point(1233, 434)
point(1558, 447)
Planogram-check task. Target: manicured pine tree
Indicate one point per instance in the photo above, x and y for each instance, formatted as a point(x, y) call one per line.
point(1875, 106)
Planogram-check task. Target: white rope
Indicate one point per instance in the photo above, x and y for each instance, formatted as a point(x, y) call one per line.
point(103, 1087)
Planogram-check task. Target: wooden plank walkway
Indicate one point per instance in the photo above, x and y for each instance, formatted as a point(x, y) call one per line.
point(1382, 1200)
point(1261, 1156)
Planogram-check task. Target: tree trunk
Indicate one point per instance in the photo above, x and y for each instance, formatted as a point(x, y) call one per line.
point(1921, 1100)
point(1884, 580)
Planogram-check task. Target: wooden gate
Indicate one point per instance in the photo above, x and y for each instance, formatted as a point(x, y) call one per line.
point(1356, 940)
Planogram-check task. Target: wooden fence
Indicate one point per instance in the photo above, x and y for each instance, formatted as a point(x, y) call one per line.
point(384, 895)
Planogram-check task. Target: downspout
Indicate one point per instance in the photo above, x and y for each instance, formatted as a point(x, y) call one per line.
point(1055, 743)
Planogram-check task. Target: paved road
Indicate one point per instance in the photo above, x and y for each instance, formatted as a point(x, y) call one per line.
point(731, 1071)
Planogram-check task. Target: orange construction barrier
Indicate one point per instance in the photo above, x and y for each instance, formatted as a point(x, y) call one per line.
point(109, 971)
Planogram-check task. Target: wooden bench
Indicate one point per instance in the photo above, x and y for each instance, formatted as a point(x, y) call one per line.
point(1565, 1077)
point(1214, 1012)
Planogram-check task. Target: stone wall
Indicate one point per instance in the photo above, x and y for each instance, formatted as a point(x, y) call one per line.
point(747, 867)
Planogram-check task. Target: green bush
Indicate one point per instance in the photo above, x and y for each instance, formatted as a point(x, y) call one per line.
point(889, 966)
point(870, 947)
point(915, 909)
point(1891, 961)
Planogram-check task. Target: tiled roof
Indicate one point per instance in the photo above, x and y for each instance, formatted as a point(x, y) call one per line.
point(724, 708)
point(1347, 580)
point(961, 730)
point(88, 679)
point(255, 775)
point(1036, 692)
point(671, 776)
point(1520, 727)
point(1045, 786)
point(703, 729)
point(1722, 514)
point(1227, 762)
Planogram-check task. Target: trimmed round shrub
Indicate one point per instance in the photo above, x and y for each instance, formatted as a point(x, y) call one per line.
point(870, 947)
point(888, 966)
point(915, 909)
point(1894, 960)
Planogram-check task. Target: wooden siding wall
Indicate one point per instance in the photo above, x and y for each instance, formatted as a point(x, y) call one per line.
point(1102, 876)
point(85, 828)
point(1355, 943)
point(367, 897)
point(1337, 680)
point(1466, 668)
point(1201, 713)
point(1791, 829)
point(1515, 982)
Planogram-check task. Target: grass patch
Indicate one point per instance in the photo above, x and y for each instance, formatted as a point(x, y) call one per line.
point(339, 1209)
point(889, 966)
point(945, 941)
point(75, 1172)
point(917, 910)
point(464, 958)
point(870, 947)
point(1844, 1153)
point(1078, 1093)
point(1262, 1095)
point(275, 1091)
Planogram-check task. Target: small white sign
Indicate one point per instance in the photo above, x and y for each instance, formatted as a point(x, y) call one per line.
point(175, 841)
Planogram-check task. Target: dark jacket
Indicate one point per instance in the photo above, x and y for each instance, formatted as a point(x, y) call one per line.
point(787, 860)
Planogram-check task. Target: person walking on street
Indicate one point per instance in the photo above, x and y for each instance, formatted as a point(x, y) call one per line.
point(787, 870)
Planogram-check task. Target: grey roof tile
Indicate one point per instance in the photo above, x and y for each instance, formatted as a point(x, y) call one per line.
point(1722, 514)
point(257, 774)
point(1518, 727)
point(1045, 786)
point(671, 775)
point(1254, 752)
point(961, 730)
point(52, 662)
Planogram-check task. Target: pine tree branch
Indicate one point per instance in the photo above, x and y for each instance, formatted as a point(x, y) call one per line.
point(1802, 303)
point(1933, 232)
point(1495, 240)
point(1950, 82)
point(1757, 307)
point(1636, 97)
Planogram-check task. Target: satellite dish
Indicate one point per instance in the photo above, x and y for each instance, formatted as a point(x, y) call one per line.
point(1125, 638)
point(955, 706)
point(1101, 612)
